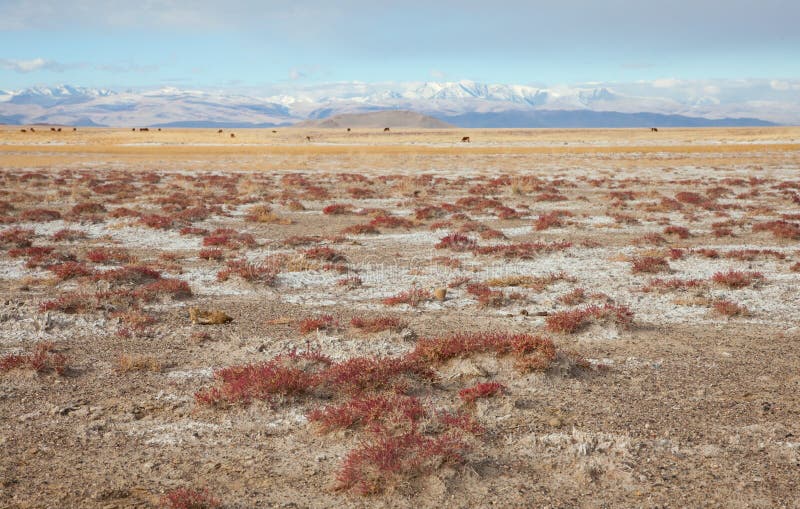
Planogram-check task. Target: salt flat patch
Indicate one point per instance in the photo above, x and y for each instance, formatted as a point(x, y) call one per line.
point(165, 434)
point(128, 236)
point(203, 373)
point(15, 270)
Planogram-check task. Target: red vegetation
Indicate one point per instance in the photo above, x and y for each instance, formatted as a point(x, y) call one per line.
point(129, 274)
point(324, 253)
point(375, 413)
point(189, 498)
point(550, 220)
point(573, 298)
point(391, 222)
point(323, 322)
point(486, 296)
point(70, 270)
point(264, 272)
point(673, 284)
point(524, 250)
point(337, 209)
point(680, 231)
point(413, 297)
point(530, 352)
point(456, 242)
point(17, 237)
point(649, 264)
point(737, 279)
point(576, 319)
point(68, 235)
point(109, 255)
point(156, 221)
point(42, 360)
point(481, 390)
point(752, 254)
point(377, 324)
point(369, 468)
point(40, 215)
point(728, 308)
point(780, 229)
point(211, 254)
point(226, 237)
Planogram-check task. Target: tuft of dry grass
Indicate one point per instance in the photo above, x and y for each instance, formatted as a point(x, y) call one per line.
point(128, 363)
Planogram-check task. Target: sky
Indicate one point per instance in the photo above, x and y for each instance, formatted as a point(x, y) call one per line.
point(138, 44)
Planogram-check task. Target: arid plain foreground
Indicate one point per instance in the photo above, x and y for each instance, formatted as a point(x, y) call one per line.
point(537, 318)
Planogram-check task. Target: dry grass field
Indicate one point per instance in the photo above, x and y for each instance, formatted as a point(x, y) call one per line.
point(537, 318)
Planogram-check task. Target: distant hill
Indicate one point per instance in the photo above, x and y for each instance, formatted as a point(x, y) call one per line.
point(410, 105)
point(591, 119)
point(378, 119)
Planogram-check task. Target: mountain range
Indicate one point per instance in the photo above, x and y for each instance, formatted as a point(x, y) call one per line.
point(461, 103)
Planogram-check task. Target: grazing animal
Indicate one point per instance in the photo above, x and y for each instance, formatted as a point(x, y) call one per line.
point(308, 138)
point(159, 129)
point(233, 135)
point(74, 129)
point(134, 129)
point(274, 131)
point(59, 129)
point(386, 129)
point(144, 129)
point(348, 129)
point(654, 129)
point(33, 130)
point(23, 131)
point(220, 131)
point(465, 139)
point(53, 129)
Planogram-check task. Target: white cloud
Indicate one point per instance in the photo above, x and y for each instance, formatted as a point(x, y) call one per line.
point(666, 83)
point(780, 85)
point(25, 66)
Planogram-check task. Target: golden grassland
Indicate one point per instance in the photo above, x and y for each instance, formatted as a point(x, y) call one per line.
point(329, 149)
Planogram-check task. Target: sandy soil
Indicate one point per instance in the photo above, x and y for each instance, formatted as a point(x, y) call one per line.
point(687, 398)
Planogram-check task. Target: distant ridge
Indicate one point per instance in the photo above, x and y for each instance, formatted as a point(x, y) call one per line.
point(378, 119)
point(591, 119)
point(411, 105)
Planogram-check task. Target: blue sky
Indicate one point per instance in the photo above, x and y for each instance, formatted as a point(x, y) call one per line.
point(230, 44)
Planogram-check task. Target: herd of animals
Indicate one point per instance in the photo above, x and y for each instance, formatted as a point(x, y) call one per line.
point(464, 139)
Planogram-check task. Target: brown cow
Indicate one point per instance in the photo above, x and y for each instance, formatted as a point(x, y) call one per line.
point(654, 129)
point(348, 129)
point(23, 131)
point(465, 139)
point(53, 129)
point(386, 129)
point(59, 129)
point(74, 129)
point(274, 131)
point(33, 130)
point(219, 132)
point(308, 138)
point(233, 135)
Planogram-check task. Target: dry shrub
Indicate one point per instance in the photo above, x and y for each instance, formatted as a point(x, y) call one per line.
point(208, 317)
point(128, 363)
point(576, 319)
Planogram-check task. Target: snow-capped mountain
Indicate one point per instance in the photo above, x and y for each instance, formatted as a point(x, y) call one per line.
point(453, 102)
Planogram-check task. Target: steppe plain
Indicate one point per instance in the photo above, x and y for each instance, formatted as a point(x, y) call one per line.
point(619, 325)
